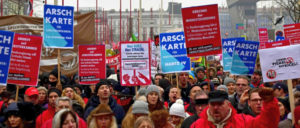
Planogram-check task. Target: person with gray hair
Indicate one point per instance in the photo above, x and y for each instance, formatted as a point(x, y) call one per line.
point(60, 104)
point(65, 118)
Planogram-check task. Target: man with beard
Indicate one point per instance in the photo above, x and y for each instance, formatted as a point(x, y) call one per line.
point(256, 78)
point(220, 114)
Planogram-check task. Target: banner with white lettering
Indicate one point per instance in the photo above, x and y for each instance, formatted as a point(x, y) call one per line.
point(263, 37)
point(280, 63)
point(58, 26)
point(6, 42)
point(25, 60)
point(135, 64)
point(227, 51)
point(244, 56)
point(91, 63)
point(292, 32)
point(202, 30)
point(277, 43)
point(173, 53)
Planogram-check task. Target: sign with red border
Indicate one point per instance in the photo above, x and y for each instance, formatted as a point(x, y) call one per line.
point(135, 64)
point(292, 32)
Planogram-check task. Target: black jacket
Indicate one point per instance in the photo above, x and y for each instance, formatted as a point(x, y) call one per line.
point(189, 121)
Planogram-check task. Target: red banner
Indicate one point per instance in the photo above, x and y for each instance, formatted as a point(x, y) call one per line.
point(202, 30)
point(91, 63)
point(113, 62)
point(263, 37)
point(277, 44)
point(25, 60)
point(292, 32)
point(135, 63)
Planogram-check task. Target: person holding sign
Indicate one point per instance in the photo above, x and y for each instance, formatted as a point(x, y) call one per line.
point(221, 114)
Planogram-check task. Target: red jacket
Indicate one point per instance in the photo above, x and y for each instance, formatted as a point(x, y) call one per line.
point(268, 118)
point(46, 115)
point(48, 123)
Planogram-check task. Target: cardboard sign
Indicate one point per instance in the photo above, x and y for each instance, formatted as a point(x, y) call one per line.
point(173, 53)
point(91, 63)
point(6, 42)
point(202, 30)
point(25, 60)
point(244, 56)
point(135, 64)
point(155, 59)
point(263, 37)
point(278, 44)
point(58, 26)
point(280, 63)
point(227, 51)
point(292, 32)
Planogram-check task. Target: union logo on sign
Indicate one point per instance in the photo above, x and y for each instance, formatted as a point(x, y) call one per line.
point(271, 74)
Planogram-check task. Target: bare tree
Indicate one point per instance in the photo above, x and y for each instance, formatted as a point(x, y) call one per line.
point(292, 7)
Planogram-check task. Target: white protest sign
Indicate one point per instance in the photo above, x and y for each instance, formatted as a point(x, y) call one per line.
point(280, 63)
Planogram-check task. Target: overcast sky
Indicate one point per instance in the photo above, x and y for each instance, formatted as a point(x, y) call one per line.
point(147, 4)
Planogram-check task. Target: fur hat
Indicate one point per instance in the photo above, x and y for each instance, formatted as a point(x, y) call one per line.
point(140, 107)
point(152, 88)
point(177, 109)
point(102, 109)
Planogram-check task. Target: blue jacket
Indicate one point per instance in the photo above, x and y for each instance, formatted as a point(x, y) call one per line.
point(116, 108)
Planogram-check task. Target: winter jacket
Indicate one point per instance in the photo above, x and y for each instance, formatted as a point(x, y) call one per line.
point(268, 118)
point(46, 115)
point(189, 109)
point(189, 121)
point(116, 108)
point(48, 123)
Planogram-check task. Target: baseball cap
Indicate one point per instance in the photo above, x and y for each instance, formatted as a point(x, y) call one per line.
point(281, 85)
point(31, 91)
point(217, 96)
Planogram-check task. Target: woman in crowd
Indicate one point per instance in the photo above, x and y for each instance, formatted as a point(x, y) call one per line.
point(70, 92)
point(102, 117)
point(13, 118)
point(153, 98)
point(65, 118)
point(42, 96)
point(177, 113)
point(139, 108)
point(283, 108)
point(160, 119)
point(143, 122)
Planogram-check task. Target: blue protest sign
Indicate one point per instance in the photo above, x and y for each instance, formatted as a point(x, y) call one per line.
point(58, 26)
point(173, 53)
point(227, 50)
point(6, 41)
point(244, 57)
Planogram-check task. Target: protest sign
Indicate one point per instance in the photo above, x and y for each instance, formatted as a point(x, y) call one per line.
point(135, 64)
point(58, 26)
point(113, 62)
point(263, 37)
point(6, 42)
point(292, 32)
point(202, 30)
point(280, 63)
point(244, 56)
point(278, 44)
point(155, 59)
point(92, 66)
point(25, 60)
point(173, 53)
point(227, 51)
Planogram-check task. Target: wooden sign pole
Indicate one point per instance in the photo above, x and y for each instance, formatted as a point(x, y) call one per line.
point(17, 93)
point(292, 98)
point(207, 74)
point(58, 85)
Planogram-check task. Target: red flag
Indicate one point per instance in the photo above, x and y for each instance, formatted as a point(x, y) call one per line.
point(30, 8)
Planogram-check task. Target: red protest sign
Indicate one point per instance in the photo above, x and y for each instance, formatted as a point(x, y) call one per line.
point(91, 63)
point(113, 62)
point(202, 30)
point(277, 44)
point(135, 68)
point(25, 60)
point(292, 32)
point(263, 37)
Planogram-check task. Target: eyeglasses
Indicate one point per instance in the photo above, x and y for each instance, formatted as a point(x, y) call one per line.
point(256, 100)
point(241, 85)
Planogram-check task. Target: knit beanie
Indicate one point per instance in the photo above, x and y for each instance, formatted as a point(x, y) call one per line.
point(177, 109)
point(140, 107)
point(222, 87)
point(200, 69)
point(228, 80)
point(152, 88)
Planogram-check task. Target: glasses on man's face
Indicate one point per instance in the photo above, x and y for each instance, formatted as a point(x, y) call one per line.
point(244, 85)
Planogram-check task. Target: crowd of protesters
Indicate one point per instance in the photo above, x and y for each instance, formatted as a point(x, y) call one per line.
point(206, 97)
